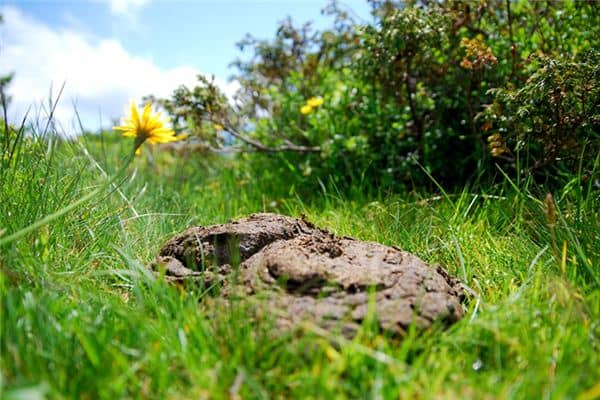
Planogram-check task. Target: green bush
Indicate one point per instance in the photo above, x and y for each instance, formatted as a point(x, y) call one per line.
point(430, 89)
point(552, 123)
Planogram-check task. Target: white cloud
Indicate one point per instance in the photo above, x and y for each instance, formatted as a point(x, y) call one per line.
point(124, 7)
point(100, 76)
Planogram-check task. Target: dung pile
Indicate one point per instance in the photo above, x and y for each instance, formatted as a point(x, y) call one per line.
point(308, 274)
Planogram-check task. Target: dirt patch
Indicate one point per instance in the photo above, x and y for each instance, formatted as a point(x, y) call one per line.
point(305, 273)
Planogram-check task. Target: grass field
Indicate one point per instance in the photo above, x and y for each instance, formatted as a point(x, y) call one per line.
point(82, 318)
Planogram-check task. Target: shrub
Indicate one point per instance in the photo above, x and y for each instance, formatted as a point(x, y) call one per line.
point(552, 123)
point(442, 89)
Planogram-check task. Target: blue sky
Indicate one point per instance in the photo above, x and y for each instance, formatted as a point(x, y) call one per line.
point(110, 52)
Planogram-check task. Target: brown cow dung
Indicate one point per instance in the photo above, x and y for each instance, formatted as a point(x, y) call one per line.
point(307, 274)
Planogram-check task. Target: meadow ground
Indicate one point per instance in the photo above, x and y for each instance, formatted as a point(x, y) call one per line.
point(82, 318)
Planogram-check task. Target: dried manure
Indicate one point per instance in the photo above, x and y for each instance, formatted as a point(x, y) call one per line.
point(308, 274)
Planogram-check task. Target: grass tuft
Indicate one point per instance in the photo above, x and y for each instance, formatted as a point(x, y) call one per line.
point(82, 317)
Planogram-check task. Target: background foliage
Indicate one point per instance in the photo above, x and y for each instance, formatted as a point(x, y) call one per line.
point(427, 89)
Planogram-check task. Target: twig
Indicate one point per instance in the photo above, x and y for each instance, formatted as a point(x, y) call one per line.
point(261, 147)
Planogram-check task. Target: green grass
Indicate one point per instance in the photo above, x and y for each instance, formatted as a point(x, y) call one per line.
point(82, 318)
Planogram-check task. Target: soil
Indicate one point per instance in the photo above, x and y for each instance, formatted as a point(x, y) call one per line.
point(303, 273)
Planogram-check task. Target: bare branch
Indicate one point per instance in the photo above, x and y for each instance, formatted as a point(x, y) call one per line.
point(261, 147)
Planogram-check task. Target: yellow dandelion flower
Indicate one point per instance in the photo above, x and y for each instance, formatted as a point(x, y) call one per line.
point(315, 101)
point(305, 109)
point(147, 126)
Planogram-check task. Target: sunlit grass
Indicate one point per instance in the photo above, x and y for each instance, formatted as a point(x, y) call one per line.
point(82, 318)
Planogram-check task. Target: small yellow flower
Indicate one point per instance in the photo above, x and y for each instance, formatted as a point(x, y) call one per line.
point(315, 101)
point(149, 126)
point(306, 109)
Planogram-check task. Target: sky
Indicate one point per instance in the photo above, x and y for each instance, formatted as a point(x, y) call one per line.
point(108, 53)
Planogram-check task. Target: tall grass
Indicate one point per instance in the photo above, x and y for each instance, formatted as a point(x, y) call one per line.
point(82, 317)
